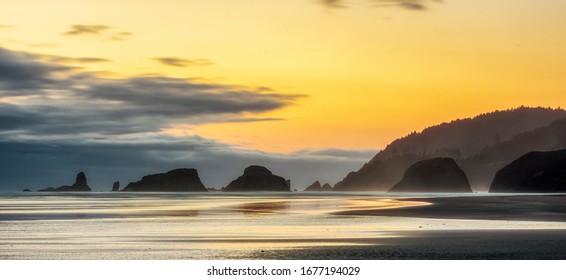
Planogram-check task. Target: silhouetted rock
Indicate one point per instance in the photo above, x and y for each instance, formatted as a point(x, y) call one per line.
point(534, 172)
point(178, 180)
point(116, 186)
point(80, 185)
point(258, 178)
point(314, 187)
point(434, 175)
point(26, 190)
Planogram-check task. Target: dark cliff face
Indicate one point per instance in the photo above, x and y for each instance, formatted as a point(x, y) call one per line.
point(534, 172)
point(80, 185)
point(258, 178)
point(326, 187)
point(434, 175)
point(178, 180)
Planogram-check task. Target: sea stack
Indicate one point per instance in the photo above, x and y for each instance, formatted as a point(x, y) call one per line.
point(534, 172)
point(314, 187)
point(80, 185)
point(434, 175)
point(258, 178)
point(116, 186)
point(178, 180)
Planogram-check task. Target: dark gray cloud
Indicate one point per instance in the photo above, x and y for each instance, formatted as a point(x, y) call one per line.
point(99, 30)
point(416, 5)
point(20, 70)
point(62, 101)
point(182, 62)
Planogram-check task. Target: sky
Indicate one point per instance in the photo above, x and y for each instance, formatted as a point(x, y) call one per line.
point(310, 88)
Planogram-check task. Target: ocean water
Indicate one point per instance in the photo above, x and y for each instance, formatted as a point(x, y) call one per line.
point(207, 226)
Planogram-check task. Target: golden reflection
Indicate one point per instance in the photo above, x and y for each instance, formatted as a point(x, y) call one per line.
point(262, 208)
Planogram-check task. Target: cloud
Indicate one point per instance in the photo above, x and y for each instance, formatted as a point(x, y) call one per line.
point(99, 30)
point(70, 60)
point(43, 97)
point(337, 153)
point(181, 62)
point(120, 36)
point(23, 71)
point(415, 5)
point(82, 29)
point(333, 3)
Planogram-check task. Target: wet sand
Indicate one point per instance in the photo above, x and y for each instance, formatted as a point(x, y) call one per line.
point(512, 208)
point(282, 226)
point(442, 245)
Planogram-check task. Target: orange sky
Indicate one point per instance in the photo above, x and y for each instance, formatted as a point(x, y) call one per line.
point(370, 74)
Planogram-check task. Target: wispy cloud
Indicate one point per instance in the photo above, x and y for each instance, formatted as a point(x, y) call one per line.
point(120, 36)
point(99, 30)
point(182, 62)
point(333, 3)
point(83, 29)
point(70, 60)
point(415, 5)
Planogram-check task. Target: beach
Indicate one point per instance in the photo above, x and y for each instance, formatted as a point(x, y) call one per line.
point(281, 226)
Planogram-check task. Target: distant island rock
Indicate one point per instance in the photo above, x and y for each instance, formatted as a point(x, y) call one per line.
point(26, 190)
point(258, 178)
point(534, 172)
point(116, 186)
point(178, 180)
point(316, 187)
point(434, 175)
point(80, 185)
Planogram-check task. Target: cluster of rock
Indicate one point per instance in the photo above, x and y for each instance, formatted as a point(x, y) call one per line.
point(534, 172)
point(255, 178)
point(80, 185)
point(316, 187)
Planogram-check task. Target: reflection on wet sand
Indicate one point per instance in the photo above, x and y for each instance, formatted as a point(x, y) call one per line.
point(262, 208)
point(214, 226)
